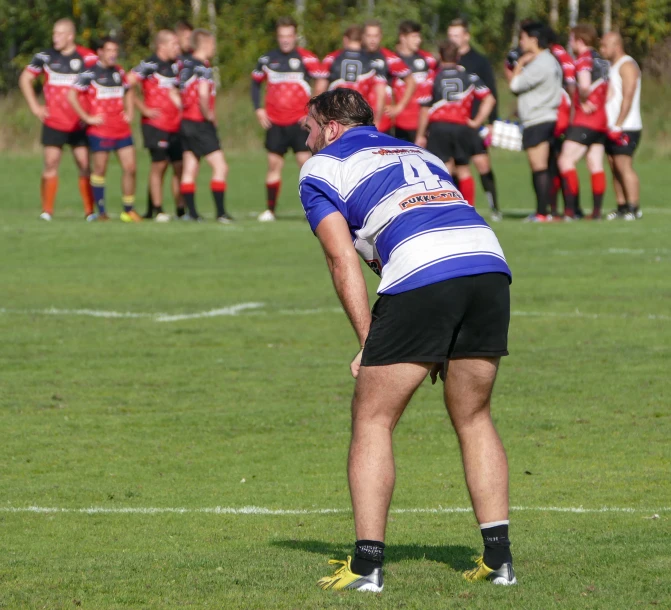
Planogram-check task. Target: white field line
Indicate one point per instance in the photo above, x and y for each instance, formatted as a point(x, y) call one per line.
point(257, 309)
point(258, 510)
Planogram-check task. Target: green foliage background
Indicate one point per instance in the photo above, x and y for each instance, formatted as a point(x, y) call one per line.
point(245, 27)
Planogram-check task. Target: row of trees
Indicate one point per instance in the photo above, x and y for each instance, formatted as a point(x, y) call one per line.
point(245, 27)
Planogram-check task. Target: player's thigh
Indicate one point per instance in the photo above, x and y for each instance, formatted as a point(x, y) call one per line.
point(302, 158)
point(99, 162)
point(594, 158)
point(126, 157)
point(462, 171)
point(189, 166)
point(623, 164)
point(217, 161)
point(178, 167)
point(52, 158)
point(482, 163)
point(539, 156)
point(158, 168)
point(382, 392)
point(82, 159)
point(275, 162)
point(571, 153)
point(468, 388)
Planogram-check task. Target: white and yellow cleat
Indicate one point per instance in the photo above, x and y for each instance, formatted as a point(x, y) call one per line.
point(344, 578)
point(267, 216)
point(505, 575)
point(162, 217)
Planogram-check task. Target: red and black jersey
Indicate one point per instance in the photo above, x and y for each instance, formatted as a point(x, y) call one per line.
point(590, 61)
point(193, 73)
point(287, 87)
point(60, 72)
point(159, 78)
point(103, 91)
point(394, 68)
point(421, 64)
point(352, 70)
point(566, 63)
point(453, 91)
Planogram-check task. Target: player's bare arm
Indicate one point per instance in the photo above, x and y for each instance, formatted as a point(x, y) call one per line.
point(343, 263)
point(129, 104)
point(381, 100)
point(410, 86)
point(422, 125)
point(204, 102)
point(26, 81)
point(629, 73)
point(73, 100)
point(145, 111)
point(485, 109)
point(584, 85)
point(321, 85)
point(175, 97)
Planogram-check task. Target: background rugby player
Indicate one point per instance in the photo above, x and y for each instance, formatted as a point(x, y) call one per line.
point(161, 109)
point(287, 71)
point(624, 125)
point(60, 124)
point(586, 135)
point(536, 80)
point(184, 31)
point(198, 130)
point(102, 98)
point(421, 64)
point(444, 309)
point(476, 63)
point(446, 114)
point(394, 68)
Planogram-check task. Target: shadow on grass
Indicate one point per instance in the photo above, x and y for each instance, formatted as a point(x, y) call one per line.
point(458, 557)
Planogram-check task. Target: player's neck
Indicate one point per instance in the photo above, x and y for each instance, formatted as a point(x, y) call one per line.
point(162, 56)
point(618, 56)
point(69, 49)
point(402, 49)
point(447, 65)
point(465, 49)
point(200, 56)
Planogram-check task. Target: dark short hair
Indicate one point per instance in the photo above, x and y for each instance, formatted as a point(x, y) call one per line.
point(286, 22)
point(551, 35)
point(449, 52)
point(105, 40)
point(344, 106)
point(409, 27)
point(460, 22)
point(353, 33)
point(537, 30)
point(183, 26)
point(587, 33)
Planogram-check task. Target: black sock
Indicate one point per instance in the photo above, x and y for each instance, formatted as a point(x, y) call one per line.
point(623, 208)
point(150, 205)
point(159, 209)
point(219, 202)
point(497, 544)
point(190, 201)
point(630, 207)
point(180, 212)
point(489, 187)
point(368, 555)
point(542, 186)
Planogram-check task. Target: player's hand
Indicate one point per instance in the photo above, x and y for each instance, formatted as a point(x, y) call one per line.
point(41, 113)
point(94, 120)
point(263, 119)
point(617, 136)
point(588, 107)
point(128, 117)
point(472, 124)
point(356, 364)
point(421, 141)
point(393, 111)
point(437, 371)
point(151, 113)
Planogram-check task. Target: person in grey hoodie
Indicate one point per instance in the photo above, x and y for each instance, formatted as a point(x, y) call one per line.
point(536, 80)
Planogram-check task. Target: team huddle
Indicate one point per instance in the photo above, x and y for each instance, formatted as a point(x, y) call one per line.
point(568, 108)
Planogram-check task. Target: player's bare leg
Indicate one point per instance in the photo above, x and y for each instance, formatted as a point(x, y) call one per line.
point(177, 168)
point(630, 184)
point(98, 172)
point(273, 184)
point(538, 157)
point(81, 156)
point(380, 397)
point(302, 158)
point(157, 172)
point(571, 153)
point(49, 182)
point(484, 167)
point(595, 165)
point(128, 173)
point(217, 162)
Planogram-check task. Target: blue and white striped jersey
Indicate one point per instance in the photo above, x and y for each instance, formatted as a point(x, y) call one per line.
point(407, 219)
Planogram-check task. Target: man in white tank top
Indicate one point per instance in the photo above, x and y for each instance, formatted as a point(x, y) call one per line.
point(624, 123)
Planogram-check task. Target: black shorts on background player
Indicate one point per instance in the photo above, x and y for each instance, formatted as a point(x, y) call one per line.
point(409, 135)
point(450, 141)
point(162, 145)
point(584, 135)
point(537, 134)
point(628, 149)
point(281, 138)
point(477, 143)
point(58, 138)
point(199, 137)
point(463, 317)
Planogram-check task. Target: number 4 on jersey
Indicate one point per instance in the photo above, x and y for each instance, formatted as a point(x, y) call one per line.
point(415, 171)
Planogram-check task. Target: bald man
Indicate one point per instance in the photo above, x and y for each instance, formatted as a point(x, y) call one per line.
point(624, 126)
point(161, 109)
point(60, 66)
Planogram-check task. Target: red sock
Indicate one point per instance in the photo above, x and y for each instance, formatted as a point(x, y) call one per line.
point(273, 190)
point(571, 186)
point(467, 187)
point(218, 188)
point(48, 191)
point(86, 192)
point(598, 189)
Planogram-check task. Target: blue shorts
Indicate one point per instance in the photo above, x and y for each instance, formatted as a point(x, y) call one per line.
point(98, 144)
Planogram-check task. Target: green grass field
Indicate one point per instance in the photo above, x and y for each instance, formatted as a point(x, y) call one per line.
point(154, 408)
